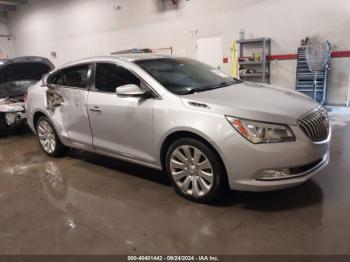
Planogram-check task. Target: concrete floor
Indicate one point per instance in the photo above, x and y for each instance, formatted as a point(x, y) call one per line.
point(87, 204)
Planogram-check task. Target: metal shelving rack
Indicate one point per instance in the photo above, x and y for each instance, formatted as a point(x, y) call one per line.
point(262, 67)
point(305, 81)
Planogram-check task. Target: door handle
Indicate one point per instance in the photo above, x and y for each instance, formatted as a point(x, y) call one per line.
point(96, 109)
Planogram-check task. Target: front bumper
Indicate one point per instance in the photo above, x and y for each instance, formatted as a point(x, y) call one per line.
point(261, 186)
point(14, 113)
point(244, 161)
point(12, 108)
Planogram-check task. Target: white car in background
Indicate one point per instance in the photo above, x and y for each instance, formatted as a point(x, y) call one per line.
point(16, 75)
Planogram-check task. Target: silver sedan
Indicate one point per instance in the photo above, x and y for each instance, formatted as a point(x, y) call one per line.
point(208, 131)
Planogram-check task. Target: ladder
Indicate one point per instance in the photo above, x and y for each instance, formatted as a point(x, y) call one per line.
point(305, 81)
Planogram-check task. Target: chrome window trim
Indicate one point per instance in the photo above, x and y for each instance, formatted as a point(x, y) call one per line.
point(93, 89)
point(88, 84)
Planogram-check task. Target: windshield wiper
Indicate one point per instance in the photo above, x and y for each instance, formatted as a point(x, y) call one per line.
point(221, 85)
point(196, 90)
point(190, 91)
point(211, 87)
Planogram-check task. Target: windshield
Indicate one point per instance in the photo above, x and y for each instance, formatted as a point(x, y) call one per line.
point(23, 72)
point(185, 76)
point(15, 78)
point(15, 88)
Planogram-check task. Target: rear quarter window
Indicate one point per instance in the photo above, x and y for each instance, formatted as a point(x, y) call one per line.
point(76, 76)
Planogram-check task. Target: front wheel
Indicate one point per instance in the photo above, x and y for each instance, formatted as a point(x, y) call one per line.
point(48, 138)
point(195, 170)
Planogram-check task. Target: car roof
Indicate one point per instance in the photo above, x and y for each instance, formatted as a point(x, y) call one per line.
point(118, 58)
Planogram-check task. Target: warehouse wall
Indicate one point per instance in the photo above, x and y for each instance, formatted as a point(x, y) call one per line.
point(80, 28)
point(7, 48)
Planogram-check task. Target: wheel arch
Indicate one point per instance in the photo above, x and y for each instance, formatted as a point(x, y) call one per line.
point(172, 137)
point(36, 117)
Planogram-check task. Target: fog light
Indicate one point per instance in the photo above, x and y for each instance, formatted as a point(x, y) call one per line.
point(273, 174)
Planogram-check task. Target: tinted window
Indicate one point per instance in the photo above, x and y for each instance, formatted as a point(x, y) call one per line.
point(76, 76)
point(182, 75)
point(56, 79)
point(109, 77)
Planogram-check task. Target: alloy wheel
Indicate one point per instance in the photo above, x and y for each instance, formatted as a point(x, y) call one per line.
point(47, 137)
point(191, 171)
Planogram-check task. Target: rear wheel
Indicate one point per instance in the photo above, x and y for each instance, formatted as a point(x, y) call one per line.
point(195, 170)
point(3, 125)
point(48, 138)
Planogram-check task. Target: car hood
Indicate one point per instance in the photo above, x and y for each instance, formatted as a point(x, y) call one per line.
point(16, 75)
point(253, 101)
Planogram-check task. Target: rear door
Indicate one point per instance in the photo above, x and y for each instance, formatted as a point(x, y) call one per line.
point(67, 98)
point(120, 125)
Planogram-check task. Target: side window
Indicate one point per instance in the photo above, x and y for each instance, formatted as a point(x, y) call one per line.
point(110, 76)
point(56, 79)
point(76, 76)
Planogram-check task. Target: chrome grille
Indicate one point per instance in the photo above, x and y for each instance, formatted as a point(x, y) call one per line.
point(316, 125)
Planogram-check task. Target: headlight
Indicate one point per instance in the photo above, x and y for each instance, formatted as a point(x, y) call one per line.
point(260, 132)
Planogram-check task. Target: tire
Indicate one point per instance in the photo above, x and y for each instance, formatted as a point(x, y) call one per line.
point(48, 138)
point(4, 128)
point(202, 179)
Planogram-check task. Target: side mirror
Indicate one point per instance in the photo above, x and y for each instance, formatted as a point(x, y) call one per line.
point(132, 91)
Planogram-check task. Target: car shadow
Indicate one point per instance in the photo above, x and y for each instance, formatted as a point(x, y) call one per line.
point(306, 194)
point(303, 195)
point(18, 131)
point(123, 167)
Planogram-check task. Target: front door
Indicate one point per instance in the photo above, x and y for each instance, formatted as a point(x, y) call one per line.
point(70, 87)
point(121, 126)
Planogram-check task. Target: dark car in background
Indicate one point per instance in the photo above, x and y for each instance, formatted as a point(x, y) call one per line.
point(16, 76)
